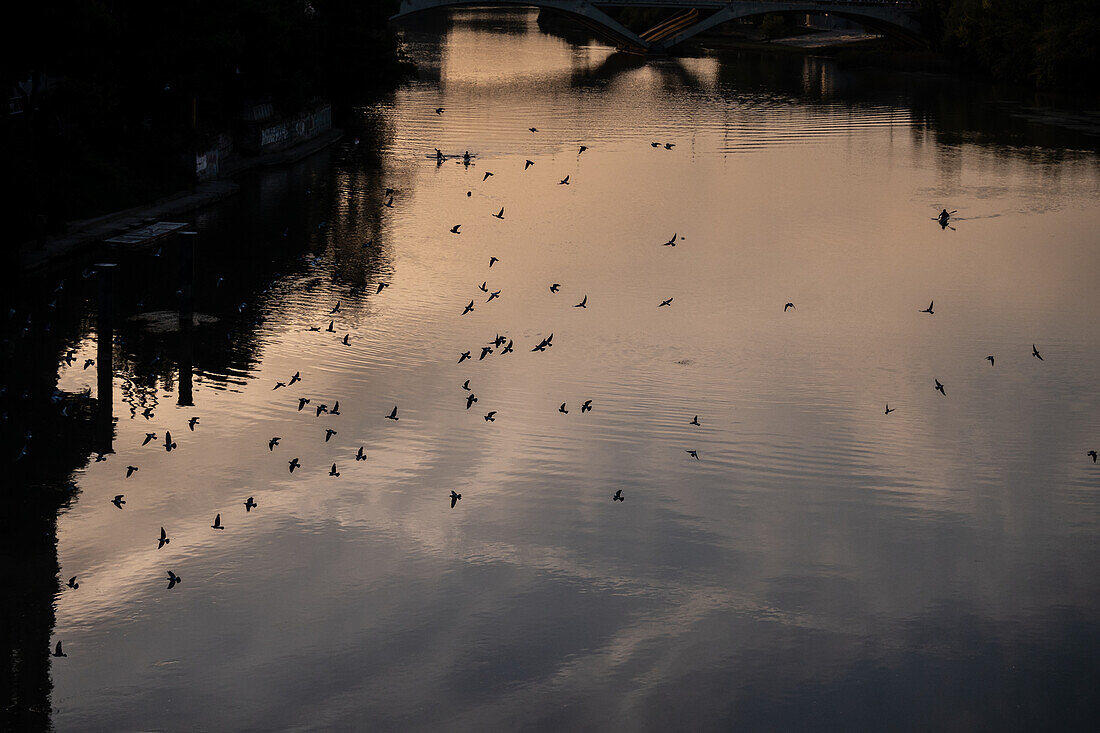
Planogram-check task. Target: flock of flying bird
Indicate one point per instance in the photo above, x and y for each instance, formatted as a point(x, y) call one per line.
point(503, 344)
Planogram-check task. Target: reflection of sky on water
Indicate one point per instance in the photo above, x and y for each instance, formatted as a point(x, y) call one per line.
point(822, 566)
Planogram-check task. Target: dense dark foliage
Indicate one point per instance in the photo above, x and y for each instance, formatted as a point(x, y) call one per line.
point(1047, 43)
point(121, 90)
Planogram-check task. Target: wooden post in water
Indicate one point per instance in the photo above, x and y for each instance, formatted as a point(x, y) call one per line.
point(187, 316)
point(105, 337)
point(187, 279)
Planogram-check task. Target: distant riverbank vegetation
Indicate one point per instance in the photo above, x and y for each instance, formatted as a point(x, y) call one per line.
point(1051, 44)
point(108, 97)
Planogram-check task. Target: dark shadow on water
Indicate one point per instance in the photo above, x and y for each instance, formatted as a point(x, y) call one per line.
point(273, 231)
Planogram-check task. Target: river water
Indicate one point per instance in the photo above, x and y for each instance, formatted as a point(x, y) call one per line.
point(820, 566)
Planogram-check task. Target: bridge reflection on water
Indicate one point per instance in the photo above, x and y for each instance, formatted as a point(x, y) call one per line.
point(696, 16)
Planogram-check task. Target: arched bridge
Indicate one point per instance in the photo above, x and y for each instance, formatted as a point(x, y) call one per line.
point(695, 16)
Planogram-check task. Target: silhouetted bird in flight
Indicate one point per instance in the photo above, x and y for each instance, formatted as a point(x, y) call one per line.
point(360, 456)
point(173, 580)
point(118, 501)
point(583, 303)
point(499, 339)
point(485, 350)
point(163, 539)
point(464, 356)
point(320, 409)
point(486, 176)
point(57, 651)
point(272, 443)
point(542, 345)
point(508, 348)
point(468, 308)
point(439, 110)
point(786, 306)
point(491, 416)
point(302, 402)
point(294, 464)
point(889, 409)
point(694, 420)
point(493, 261)
point(500, 214)
point(669, 146)
point(989, 359)
point(346, 337)
point(72, 583)
point(149, 438)
point(562, 409)
point(533, 129)
point(655, 145)
point(466, 385)
point(929, 308)
point(527, 164)
point(333, 472)
point(382, 286)
point(939, 388)
point(555, 287)
point(587, 406)
point(693, 453)
point(335, 308)
point(393, 415)
point(217, 522)
point(389, 203)
point(665, 302)
point(88, 363)
point(671, 242)
point(564, 181)
point(583, 148)
point(329, 433)
point(454, 499)
point(484, 287)
point(296, 378)
point(335, 408)
point(250, 504)
point(169, 444)
point(492, 295)
point(1035, 353)
point(192, 423)
point(130, 471)
point(618, 496)
point(454, 229)
point(470, 399)
point(1093, 454)
point(331, 327)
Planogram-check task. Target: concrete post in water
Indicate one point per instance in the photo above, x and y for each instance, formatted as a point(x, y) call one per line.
point(105, 336)
point(186, 315)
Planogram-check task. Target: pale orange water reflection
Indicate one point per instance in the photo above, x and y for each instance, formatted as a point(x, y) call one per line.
point(822, 566)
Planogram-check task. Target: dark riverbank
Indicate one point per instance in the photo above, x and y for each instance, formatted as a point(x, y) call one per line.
point(113, 102)
point(80, 237)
